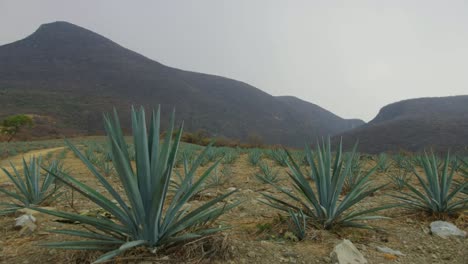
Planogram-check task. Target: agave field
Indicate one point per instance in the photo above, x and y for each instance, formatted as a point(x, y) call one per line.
point(150, 199)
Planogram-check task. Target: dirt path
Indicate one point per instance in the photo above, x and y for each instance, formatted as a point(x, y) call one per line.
point(18, 159)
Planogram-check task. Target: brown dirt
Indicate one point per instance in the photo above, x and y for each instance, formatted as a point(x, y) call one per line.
point(248, 241)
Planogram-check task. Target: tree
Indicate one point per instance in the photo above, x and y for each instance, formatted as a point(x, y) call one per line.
point(12, 125)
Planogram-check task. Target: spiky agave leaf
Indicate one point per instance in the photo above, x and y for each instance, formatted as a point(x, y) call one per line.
point(143, 216)
point(323, 205)
point(33, 187)
point(438, 194)
point(464, 171)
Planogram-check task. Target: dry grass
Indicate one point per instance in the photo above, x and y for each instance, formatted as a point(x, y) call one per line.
point(406, 231)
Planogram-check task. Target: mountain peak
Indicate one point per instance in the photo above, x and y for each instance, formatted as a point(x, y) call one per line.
point(66, 33)
point(81, 73)
point(60, 24)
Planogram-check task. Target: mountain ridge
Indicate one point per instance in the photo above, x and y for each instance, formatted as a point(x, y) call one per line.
point(73, 75)
point(428, 123)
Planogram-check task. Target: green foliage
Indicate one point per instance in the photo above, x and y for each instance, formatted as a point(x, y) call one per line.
point(322, 204)
point(219, 177)
point(403, 162)
point(464, 171)
point(384, 163)
point(399, 178)
point(33, 188)
point(212, 155)
point(279, 156)
point(230, 155)
point(298, 224)
point(267, 174)
point(12, 125)
point(265, 227)
point(144, 216)
point(438, 196)
point(254, 156)
point(106, 168)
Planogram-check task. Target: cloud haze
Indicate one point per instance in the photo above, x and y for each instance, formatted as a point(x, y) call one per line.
point(350, 57)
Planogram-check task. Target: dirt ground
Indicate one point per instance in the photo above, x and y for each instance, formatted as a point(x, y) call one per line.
point(257, 233)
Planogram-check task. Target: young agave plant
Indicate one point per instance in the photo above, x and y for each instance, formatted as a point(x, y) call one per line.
point(279, 156)
point(255, 155)
point(323, 205)
point(438, 197)
point(143, 215)
point(33, 188)
point(383, 163)
point(464, 171)
point(267, 174)
point(399, 178)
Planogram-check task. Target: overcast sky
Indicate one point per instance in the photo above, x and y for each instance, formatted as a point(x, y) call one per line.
point(350, 57)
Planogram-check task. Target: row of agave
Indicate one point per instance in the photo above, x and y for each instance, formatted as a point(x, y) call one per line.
point(146, 216)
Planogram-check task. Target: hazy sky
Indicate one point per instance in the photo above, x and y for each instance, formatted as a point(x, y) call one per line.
point(350, 57)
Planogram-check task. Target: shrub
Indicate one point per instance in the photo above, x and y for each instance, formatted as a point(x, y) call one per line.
point(437, 196)
point(144, 216)
point(322, 204)
point(12, 125)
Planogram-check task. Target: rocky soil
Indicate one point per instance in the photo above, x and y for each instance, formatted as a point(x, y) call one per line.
point(258, 233)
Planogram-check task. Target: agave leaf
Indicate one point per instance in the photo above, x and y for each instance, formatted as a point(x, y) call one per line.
point(144, 221)
point(329, 173)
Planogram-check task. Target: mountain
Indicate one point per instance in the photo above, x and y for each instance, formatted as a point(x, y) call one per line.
point(313, 115)
point(71, 75)
point(415, 125)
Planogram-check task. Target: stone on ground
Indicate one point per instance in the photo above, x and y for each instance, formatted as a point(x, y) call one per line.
point(445, 229)
point(346, 253)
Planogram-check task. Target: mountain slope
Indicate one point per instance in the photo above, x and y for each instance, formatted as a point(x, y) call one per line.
point(73, 75)
point(415, 125)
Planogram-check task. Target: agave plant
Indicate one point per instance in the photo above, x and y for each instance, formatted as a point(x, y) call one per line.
point(219, 177)
point(212, 155)
point(33, 188)
point(279, 156)
point(464, 171)
point(438, 196)
point(255, 155)
point(143, 216)
point(323, 205)
point(399, 178)
point(383, 163)
point(267, 174)
point(230, 155)
point(403, 163)
point(298, 224)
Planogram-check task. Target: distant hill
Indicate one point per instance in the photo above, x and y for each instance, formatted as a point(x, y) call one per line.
point(415, 125)
point(72, 75)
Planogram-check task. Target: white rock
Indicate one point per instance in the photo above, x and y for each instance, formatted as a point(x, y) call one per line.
point(390, 251)
point(231, 189)
point(24, 220)
point(346, 253)
point(446, 229)
point(26, 223)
